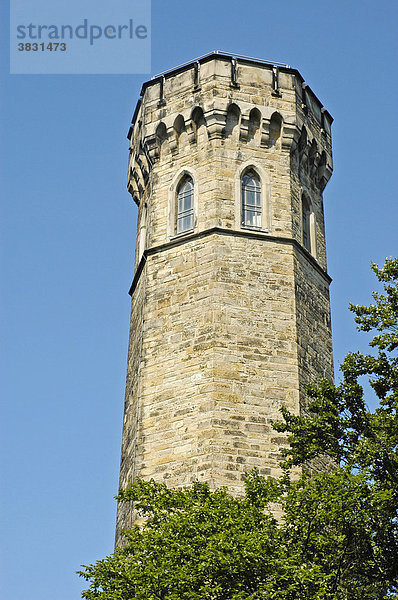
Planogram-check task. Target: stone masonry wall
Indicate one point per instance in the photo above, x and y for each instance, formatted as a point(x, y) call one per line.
point(228, 323)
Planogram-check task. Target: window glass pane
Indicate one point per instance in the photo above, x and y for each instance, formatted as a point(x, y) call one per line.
point(258, 199)
point(250, 197)
point(185, 205)
point(251, 200)
point(188, 202)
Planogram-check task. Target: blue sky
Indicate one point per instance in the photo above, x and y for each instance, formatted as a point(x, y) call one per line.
point(68, 229)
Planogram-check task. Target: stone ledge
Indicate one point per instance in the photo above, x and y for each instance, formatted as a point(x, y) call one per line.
point(232, 233)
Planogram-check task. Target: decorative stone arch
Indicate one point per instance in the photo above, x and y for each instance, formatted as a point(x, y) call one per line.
point(275, 129)
point(323, 173)
point(254, 126)
point(199, 125)
point(303, 139)
point(313, 157)
point(266, 202)
point(303, 149)
point(308, 222)
point(179, 130)
point(172, 201)
point(161, 138)
point(232, 121)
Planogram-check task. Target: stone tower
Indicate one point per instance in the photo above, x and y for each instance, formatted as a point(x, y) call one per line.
point(230, 316)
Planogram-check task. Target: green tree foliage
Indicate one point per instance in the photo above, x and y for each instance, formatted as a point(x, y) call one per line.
point(338, 538)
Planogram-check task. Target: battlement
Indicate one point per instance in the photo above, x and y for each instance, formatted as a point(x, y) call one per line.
point(213, 91)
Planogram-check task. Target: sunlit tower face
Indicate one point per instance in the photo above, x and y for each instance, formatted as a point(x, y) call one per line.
point(230, 316)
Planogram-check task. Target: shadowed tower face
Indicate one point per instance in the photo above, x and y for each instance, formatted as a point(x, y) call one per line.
point(230, 299)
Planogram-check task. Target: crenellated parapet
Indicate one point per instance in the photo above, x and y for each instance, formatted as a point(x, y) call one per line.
point(253, 102)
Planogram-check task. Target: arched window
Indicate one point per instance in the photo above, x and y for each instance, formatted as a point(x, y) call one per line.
point(251, 199)
point(185, 205)
point(306, 224)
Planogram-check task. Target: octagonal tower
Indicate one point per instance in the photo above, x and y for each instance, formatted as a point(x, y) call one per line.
point(230, 316)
